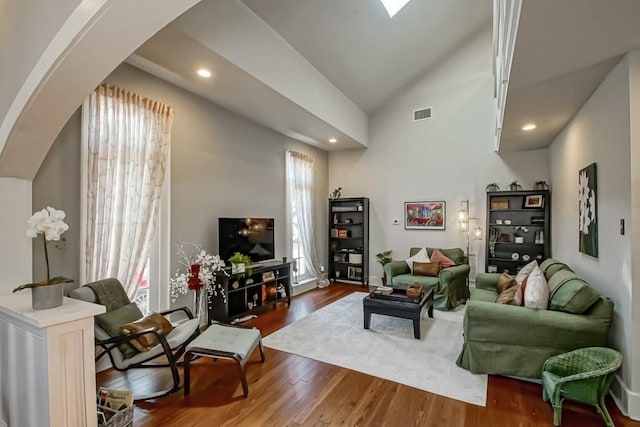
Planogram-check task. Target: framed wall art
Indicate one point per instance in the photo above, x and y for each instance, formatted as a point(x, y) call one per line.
point(534, 201)
point(588, 210)
point(429, 215)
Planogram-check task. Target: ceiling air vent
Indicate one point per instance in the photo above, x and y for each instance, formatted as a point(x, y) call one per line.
point(423, 114)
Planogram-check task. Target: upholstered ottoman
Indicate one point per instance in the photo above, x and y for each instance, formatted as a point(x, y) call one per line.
point(227, 342)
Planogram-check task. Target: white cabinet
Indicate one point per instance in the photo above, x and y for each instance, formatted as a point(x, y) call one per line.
point(47, 367)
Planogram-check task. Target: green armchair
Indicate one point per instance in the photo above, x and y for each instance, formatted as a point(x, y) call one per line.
point(583, 375)
point(450, 288)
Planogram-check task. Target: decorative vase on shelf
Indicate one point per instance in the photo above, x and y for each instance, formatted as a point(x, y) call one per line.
point(514, 186)
point(492, 187)
point(238, 268)
point(48, 296)
point(541, 185)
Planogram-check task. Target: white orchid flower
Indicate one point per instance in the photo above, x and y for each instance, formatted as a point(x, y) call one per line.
point(49, 222)
point(217, 263)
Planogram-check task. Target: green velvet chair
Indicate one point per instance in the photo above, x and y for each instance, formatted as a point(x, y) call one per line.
point(583, 375)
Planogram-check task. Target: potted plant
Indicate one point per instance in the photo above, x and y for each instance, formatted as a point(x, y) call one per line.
point(493, 187)
point(336, 193)
point(384, 258)
point(49, 223)
point(515, 186)
point(517, 235)
point(240, 264)
point(541, 185)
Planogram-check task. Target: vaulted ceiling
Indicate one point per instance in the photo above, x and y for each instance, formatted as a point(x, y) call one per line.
point(362, 51)
point(310, 69)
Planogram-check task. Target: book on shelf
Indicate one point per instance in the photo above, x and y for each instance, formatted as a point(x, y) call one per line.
point(354, 273)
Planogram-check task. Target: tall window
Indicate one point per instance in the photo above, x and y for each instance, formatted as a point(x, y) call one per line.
point(300, 189)
point(127, 147)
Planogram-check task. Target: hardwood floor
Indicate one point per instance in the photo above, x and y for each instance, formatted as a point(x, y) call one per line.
point(290, 390)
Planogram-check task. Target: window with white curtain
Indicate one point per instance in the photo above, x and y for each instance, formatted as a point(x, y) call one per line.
point(300, 192)
point(125, 160)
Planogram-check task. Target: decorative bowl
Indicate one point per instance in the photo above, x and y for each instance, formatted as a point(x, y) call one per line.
point(384, 290)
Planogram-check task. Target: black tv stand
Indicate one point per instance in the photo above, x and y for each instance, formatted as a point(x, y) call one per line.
point(268, 284)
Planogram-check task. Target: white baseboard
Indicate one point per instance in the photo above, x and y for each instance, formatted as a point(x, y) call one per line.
point(304, 287)
point(627, 400)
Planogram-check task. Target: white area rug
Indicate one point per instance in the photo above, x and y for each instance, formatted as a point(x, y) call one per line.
point(335, 334)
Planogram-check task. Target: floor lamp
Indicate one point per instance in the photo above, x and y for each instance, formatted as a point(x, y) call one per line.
point(464, 222)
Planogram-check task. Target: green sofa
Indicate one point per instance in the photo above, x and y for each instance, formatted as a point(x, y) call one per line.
point(450, 287)
point(516, 341)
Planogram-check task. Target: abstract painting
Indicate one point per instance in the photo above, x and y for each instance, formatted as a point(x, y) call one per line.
point(588, 210)
point(424, 215)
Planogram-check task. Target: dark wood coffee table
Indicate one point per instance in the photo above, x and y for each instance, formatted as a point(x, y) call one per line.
point(398, 304)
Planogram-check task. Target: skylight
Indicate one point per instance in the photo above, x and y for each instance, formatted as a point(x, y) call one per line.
point(393, 6)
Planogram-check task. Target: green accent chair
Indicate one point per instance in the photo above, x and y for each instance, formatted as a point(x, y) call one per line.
point(450, 288)
point(583, 375)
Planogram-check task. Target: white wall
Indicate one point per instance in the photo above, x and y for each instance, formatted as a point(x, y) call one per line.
point(222, 165)
point(634, 106)
point(600, 133)
point(449, 157)
point(57, 184)
point(15, 246)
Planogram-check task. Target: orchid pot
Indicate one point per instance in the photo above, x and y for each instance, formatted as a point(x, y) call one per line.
point(48, 223)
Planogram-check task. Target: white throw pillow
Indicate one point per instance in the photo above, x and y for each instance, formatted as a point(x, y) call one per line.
point(536, 293)
point(421, 256)
point(525, 271)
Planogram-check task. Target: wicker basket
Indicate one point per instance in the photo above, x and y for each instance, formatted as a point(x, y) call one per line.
point(414, 291)
point(108, 417)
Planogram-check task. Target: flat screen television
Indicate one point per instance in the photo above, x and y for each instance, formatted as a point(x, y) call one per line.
point(251, 236)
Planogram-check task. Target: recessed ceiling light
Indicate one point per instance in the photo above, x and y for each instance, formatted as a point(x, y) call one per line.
point(204, 73)
point(333, 140)
point(393, 6)
point(529, 126)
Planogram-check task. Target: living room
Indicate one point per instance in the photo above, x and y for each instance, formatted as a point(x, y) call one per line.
point(223, 164)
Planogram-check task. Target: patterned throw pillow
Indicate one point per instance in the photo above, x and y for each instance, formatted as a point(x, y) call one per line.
point(525, 271)
point(518, 298)
point(510, 296)
point(536, 294)
point(437, 256)
point(505, 282)
point(522, 288)
point(421, 256)
point(426, 269)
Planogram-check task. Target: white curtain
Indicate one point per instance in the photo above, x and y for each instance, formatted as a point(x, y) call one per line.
point(300, 189)
point(128, 143)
